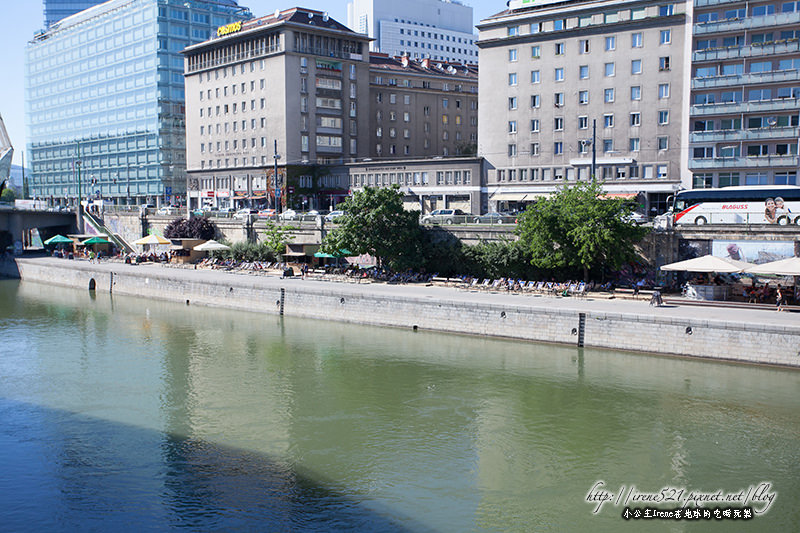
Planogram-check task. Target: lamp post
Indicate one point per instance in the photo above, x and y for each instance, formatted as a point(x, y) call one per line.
point(277, 197)
point(593, 143)
point(80, 204)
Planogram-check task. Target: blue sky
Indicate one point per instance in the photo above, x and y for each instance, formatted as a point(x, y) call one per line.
point(23, 18)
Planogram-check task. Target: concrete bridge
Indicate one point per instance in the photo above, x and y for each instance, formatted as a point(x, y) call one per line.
point(15, 224)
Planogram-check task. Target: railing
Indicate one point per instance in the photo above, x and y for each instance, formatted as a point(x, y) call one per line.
point(761, 162)
point(745, 135)
point(746, 79)
point(708, 3)
point(782, 104)
point(763, 21)
point(754, 50)
point(728, 218)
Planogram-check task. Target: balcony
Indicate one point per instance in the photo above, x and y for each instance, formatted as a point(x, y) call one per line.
point(744, 135)
point(752, 78)
point(710, 3)
point(730, 108)
point(764, 162)
point(748, 23)
point(771, 48)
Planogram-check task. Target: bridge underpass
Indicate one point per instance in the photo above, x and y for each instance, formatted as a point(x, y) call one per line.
point(16, 225)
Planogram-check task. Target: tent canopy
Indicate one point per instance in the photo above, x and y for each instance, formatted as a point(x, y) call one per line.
point(210, 246)
point(707, 263)
point(96, 240)
point(152, 239)
point(58, 239)
point(784, 267)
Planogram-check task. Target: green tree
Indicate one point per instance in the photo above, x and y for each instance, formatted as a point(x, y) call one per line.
point(578, 228)
point(277, 237)
point(375, 223)
point(194, 228)
point(8, 196)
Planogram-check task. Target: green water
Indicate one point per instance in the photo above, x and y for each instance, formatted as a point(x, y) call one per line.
point(126, 414)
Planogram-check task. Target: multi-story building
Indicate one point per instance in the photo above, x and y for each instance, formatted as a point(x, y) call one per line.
point(437, 29)
point(551, 71)
point(744, 91)
point(293, 84)
point(422, 108)
point(105, 98)
point(55, 10)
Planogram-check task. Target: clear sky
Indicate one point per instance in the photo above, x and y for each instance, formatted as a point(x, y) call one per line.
point(24, 17)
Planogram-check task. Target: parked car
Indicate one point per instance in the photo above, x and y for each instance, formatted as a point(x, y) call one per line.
point(289, 214)
point(445, 216)
point(241, 214)
point(495, 218)
point(333, 215)
point(639, 218)
point(266, 213)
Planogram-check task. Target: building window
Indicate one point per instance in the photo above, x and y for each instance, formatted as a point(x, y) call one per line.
point(663, 63)
point(663, 90)
point(559, 74)
point(558, 99)
point(608, 145)
point(663, 143)
point(512, 103)
point(535, 52)
point(634, 144)
point(666, 36)
point(663, 117)
point(583, 72)
point(611, 43)
point(665, 11)
point(535, 101)
point(512, 79)
point(636, 119)
point(512, 126)
point(583, 122)
point(583, 97)
point(558, 148)
point(636, 40)
point(636, 93)
point(535, 78)
point(535, 125)
point(608, 95)
point(662, 171)
point(534, 149)
point(558, 124)
point(583, 46)
point(512, 54)
point(728, 179)
point(609, 69)
point(636, 66)
point(512, 150)
point(559, 49)
point(608, 121)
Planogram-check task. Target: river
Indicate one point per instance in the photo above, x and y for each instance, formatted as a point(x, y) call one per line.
point(119, 413)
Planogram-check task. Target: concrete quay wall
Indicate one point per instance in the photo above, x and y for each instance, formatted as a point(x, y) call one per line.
point(518, 318)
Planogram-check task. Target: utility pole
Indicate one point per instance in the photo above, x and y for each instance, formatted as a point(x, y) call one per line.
point(277, 197)
point(594, 149)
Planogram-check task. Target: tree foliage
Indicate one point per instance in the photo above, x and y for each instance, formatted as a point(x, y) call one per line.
point(246, 251)
point(277, 237)
point(8, 196)
point(577, 228)
point(194, 228)
point(375, 223)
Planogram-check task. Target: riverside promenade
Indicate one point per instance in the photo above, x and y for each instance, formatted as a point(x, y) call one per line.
point(746, 335)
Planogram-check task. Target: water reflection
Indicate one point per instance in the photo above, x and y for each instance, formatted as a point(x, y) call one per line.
point(218, 419)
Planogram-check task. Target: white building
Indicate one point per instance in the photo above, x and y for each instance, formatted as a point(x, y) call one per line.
point(437, 29)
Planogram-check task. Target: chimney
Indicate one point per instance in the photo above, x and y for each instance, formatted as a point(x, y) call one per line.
point(426, 63)
point(404, 61)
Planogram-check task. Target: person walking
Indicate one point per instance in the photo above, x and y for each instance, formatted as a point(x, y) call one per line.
point(780, 299)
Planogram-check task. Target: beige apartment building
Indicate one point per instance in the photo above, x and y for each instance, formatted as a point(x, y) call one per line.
point(293, 84)
point(561, 80)
point(422, 108)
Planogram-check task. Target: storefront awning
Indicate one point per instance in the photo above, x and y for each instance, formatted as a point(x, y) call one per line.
point(624, 195)
point(517, 196)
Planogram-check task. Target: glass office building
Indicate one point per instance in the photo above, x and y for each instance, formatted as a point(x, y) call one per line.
point(105, 99)
point(55, 10)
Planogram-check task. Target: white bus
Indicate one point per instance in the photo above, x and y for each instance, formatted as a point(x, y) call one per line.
point(765, 204)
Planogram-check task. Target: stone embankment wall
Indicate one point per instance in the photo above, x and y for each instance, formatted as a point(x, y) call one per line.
point(365, 304)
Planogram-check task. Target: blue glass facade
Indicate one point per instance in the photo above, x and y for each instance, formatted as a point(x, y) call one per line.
point(55, 10)
point(105, 93)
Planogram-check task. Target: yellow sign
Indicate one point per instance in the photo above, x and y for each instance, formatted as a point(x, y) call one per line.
point(230, 28)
